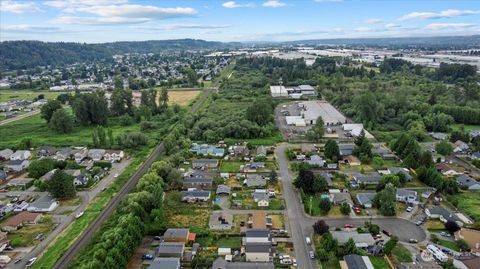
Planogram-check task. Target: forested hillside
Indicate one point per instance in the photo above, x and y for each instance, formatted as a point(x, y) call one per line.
point(28, 54)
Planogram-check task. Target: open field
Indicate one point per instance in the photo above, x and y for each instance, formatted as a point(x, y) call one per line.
point(379, 262)
point(400, 254)
point(25, 236)
point(230, 166)
point(182, 97)
point(449, 244)
point(468, 202)
point(11, 95)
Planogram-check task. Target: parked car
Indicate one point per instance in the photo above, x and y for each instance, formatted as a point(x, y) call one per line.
point(409, 209)
point(349, 226)
point(31, 262)
point(308, 240)
point(147, 257)
point(445, 234)
point(294, 263)
point(157, 237)
point(413, 240)
point(387, 233)
point(312, 254)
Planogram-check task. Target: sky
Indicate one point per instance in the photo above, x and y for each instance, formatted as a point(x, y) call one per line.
point(98, 21)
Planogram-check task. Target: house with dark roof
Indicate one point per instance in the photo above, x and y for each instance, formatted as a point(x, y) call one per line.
point(466, 182)
point(407, 196)
point(81, 179)
point(400, 170)
point(3, 175)
point(368, 179)
point(354, 261)
point(195, 195)
point(366, 199)
point(346, 149)
point(475, 155)
point(205, 163)
point(255, 180)
point(177, 235)
point(442, 214)
point(223, 189)
point(198, 183)
point(46, 152)
point(165, 263)
point(170, 249)
point(258, 252)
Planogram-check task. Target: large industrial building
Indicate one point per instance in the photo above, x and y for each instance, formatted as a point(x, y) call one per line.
point(292, 92)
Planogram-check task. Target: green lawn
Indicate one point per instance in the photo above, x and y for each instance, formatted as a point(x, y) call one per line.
point(400, 254)
point(230, 166)
point(217, 241)
point(379, 262)
point(12, 95)
point(469, 203)
point(449, 244)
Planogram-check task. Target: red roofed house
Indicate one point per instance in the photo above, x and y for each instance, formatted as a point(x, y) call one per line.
point(21, 219)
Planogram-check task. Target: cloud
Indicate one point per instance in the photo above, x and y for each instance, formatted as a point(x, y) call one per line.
point(364, 29)
point(25, 28)
point(450, 13)
point(178, 26)
point(231, 4)
point(17, 7)
point(391, 26)
point(371, 21)
point(141, 11)
point(68, 4)
point(442, 26)
point(97, 20)
point(274, 3)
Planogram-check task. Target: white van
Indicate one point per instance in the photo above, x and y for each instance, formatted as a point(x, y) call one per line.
point(307, 239)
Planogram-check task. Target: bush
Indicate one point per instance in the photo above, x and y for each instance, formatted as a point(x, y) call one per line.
point(320, 227)
point(132, 140)
point(103, 164)
point(147, 125)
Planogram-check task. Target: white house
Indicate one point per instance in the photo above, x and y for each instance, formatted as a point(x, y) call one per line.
point(17, 165)
point(113, 155)
point(261, 199)
point(43, 204)
point(20, 155)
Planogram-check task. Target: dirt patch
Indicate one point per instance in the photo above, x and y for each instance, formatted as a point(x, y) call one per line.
point(136, 261)
point(182, 97)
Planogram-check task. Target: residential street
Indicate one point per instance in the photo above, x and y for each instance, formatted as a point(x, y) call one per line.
point(402, 228)
point(19, 117)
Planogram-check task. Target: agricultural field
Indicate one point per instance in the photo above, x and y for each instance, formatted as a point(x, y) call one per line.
point(12, 95)
point(182, 97)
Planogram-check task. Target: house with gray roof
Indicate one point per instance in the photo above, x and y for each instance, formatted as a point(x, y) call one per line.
point(3, 175)
point(400, 170)
point(442, 214)
point(261, 151)
point(261, 198)
point(20, 155)
point(170, 249)
point(255, 180)
point(96, 154)
point(63, 154)
point(407, 196)
point(366, 199)
point(207, 150)
point(17, 165)
point(354, 261)
point(474, 133)
point(368, 179)
point(439, 136)
point(5, 154)
point(205, 163)
point(346, 149)
point(165, 263)
point(466, 182)
point(362, 240)
point(198, 183)
point(223, 189)
point(338, 198)
point(315, 160)
point(195, 195)
point(43, 204)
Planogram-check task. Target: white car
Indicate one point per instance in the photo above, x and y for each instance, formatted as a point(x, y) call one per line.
point(312, 254)
point(31, 262)
point(409, 209)
point(79, 215)
point(294, 262)
point(115, 176)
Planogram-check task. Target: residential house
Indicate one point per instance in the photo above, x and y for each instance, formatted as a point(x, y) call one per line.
point(80, 155)
point(315, 160)
point(354, 261)
point(96, 154)
point(63, 154)
point(223, 189)
point(46, 152)
point(365, 199)
point(327, 176)
point(207, 150)
point(362, 240)
point(351, 160)
point(101, 174)
point(353, 129)
point(45, 203)
point(258, 245)
point(72, 172)
point(338, 198)
point(17, 165)
point(474, 133)
point(239, 151)
point(170, 249)
point(407, 196)
point(368, 179)
point(252, 167)
point(21, 219)
point(3, 175)
point(448, 170)
point(383, 152)
point(221, 263)
point(165, 263)
point(460, 146)
point(466, 182)
point(442, 214)
point(261, 151)
point(439, 136)
point(81, 179)
point(419, 265)
point(257, 236)
point(466, 262)
point(20, 155)
point(400, 170)
point(261, 198)
point(178, 235)
point(255, 180)
point(204, 163)
point(20, 207)
point(48, 175)
point(472, 237)
point(113, 155)
point(346, 149)
point(221, 221)
point(5, 154)
point(197, 183)
point(195, 195)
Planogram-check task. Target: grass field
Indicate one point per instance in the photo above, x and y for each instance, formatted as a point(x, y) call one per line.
point(224, 242)
point(449, 244)
point(400, 254)
point(434, 225)
point(379, 262)
point(456, 127)
point(230, 166)
point(12, 95)
point(182, 97)
point(469, 203)
point(25, 236)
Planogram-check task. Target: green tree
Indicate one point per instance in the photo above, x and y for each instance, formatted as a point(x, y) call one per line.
point(260, 112)
point(163, 99)
point(320, 184)
point(325, 206)
point(363, 148)
point(61, 121)
point(61, 185)
point(378, 161)
point(463, 245)
point(40, 167)
point(332, 150)
point(320, 227)
point(49, 108)
point(317, 131)
point(444, 148)
point(385, 200)
point(345, 209)
point(390, 245)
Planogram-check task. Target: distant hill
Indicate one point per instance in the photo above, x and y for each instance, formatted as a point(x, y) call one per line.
point(28, 54)
point(439, 42)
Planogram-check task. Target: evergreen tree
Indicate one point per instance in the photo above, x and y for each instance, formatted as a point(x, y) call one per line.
point(61, 185)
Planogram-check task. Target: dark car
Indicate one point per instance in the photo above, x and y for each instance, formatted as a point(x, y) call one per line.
point(387, 233)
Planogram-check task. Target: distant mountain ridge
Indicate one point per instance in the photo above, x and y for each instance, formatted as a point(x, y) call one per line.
point(28, 54)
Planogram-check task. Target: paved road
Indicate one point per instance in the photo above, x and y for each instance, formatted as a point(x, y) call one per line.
point(85, 237)
point(402, 228)
point(63, 220)
point(19, 117)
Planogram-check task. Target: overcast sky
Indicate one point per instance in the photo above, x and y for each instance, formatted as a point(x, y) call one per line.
point(95, 21)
